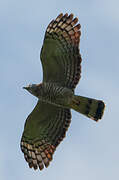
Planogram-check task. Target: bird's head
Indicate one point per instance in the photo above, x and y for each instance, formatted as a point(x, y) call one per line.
point(33, 89)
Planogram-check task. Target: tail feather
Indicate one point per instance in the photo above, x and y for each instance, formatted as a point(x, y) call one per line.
point(89, 107)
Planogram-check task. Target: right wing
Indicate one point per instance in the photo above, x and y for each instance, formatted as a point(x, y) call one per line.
point(44, 129)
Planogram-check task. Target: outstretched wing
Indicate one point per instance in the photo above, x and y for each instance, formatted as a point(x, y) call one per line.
point(44, 129)
point(60, 56)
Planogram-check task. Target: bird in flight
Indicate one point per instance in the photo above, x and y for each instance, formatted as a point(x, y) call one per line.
point(47, 124)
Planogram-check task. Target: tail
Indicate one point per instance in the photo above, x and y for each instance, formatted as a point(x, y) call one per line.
point(91, 108)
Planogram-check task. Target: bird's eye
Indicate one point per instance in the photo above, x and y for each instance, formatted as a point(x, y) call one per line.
point(30, 85)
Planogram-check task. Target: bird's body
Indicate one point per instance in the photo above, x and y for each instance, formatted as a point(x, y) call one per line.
point(53, 93)
point(46, 126)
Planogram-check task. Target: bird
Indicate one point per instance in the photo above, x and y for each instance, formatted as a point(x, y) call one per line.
point(46, 125)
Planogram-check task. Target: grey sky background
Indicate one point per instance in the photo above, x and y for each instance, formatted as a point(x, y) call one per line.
point(91, 150)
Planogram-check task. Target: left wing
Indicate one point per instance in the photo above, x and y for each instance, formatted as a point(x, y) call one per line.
point(60, 56)
point(44, 129)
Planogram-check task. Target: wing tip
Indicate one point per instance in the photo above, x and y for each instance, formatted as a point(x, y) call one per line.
point(64, 21)
point(37, 157)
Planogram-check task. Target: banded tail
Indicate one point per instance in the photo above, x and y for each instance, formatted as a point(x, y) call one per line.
point(89, 107)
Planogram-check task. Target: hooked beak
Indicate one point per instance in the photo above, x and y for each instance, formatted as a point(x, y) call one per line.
point(26, 88)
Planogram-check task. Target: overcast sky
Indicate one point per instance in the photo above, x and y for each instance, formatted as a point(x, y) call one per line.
point(91, 150)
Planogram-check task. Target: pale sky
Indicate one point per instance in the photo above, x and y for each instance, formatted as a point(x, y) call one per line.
point(90, 150)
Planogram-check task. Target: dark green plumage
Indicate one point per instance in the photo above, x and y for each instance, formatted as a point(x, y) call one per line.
point(47, 124)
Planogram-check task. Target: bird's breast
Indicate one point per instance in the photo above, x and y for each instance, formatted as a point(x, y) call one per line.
point(55, 94)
